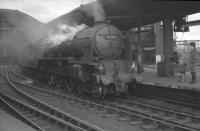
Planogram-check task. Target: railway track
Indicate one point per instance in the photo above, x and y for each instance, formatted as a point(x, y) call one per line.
point(168, 115)
point(170, 100)
point(6, 106)
point(194, 102)
point(181, 97)
point(149, 117)
point(38, 114)
point(172, 96)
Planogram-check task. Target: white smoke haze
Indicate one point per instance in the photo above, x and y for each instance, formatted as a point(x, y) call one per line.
point(65, 32)
point(95, 10)
point(37, 49)
point(14, 42)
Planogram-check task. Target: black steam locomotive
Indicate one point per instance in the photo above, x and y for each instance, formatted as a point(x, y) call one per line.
point(97, 61)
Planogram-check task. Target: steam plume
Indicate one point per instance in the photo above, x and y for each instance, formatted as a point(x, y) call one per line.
point(65, 32)
point(95, 10)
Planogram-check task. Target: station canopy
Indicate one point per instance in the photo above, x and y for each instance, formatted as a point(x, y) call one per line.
point(18, 25)
point(127, 14)
point(17, 19)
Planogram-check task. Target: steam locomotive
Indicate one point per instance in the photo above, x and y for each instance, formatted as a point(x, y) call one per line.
point(97, 61)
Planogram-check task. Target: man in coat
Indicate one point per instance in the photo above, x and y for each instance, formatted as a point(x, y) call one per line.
point(192, 62)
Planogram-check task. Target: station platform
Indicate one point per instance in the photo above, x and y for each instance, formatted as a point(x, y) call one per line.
point(10, 123)
point(149, 77)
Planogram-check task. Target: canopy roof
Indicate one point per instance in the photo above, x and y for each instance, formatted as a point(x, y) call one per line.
point(126, 14)
point(15, 18)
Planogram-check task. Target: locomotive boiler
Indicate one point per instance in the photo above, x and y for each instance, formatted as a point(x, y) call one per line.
point(103, 41)
point(97, 61)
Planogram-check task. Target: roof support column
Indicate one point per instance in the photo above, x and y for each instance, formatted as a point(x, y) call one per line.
point(158, 30)
point(167, 44)
point(139, 50)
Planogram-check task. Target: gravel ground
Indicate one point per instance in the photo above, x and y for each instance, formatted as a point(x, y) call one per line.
point(92, 116)
point(110, 123)
point(181, 108)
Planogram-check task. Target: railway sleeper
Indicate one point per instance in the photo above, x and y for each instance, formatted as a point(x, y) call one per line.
point(169, 117)
point(183, 121)
point(25, 112)
point(136, 122)
point(127, 118)
point(110, 115)
point(37, 112)
point(28, 115)
point(35, 118)
point(149, 127)
point(41, 122)
point(194, 125)
point(157, 114)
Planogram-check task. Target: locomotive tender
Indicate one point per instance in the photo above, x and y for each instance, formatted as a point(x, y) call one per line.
point(97, 60)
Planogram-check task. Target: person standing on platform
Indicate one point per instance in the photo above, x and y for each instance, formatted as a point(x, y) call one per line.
point(192, 62)
point(175, 58)
point(182, 70)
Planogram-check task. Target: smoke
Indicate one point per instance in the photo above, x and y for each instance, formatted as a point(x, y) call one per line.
point(12, 47)
point(95, 10)
point(13, 38)
point(29, 30)
point(62, 33)
point(65, 32)
point(30, 53)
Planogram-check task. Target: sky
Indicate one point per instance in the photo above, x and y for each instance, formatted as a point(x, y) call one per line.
point(43, 10)
point(47, 10)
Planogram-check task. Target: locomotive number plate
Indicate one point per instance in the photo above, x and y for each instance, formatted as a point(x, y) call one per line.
point(110, 36)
